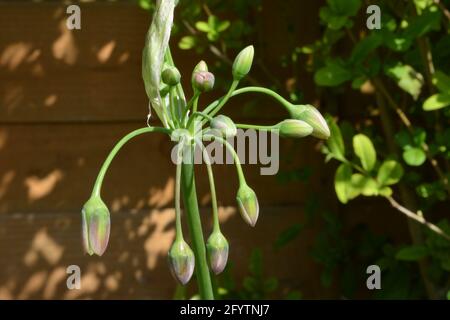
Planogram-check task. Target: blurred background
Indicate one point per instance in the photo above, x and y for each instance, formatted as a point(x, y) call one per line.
point(66, 97)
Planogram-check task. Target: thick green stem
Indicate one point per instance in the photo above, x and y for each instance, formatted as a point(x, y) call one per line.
point(195, 230)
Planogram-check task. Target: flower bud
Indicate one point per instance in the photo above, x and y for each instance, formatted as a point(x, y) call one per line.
point(248, 204)
point(201, 66)
point(223, 126)
point(96, 226)
point(217, 248)
point(203, 81)
point(294, 128)
point(243, 62)
point(171, 76)
point(313, 117)
point(181, 261)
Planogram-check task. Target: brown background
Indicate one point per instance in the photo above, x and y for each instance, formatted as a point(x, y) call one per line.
point(67, 97)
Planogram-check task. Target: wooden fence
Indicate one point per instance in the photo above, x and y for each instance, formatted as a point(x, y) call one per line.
point(65, 98)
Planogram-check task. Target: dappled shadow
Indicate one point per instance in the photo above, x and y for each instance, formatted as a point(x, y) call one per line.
point(66, 97)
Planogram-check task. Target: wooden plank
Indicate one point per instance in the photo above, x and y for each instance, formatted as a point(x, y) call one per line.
point(52, 168)
point(48, 73)
point(134, 265)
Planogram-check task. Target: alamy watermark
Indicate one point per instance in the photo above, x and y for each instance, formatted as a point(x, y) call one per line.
point(251, 147)
point(73, 281)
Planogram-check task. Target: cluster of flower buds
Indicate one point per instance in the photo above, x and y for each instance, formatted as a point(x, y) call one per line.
point(162, 83)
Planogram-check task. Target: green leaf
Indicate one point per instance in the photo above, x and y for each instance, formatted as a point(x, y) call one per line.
point(335, 142)
point(429, 20)
point(422, 4)
point(390, 172)
point(407, 78)
point(333, 74)
point(223, 25)
point(365, 151)
point(345, 7)
point(358, 82)
point(365, 46)
point(187, 42)
point(414, 156)
point(270, 285)
point(385, 192)
point(412, 253)
point(333, 21)
point(146, 4)
point(202, 26)
point(342, 182)
point(437, 101)
point(288, 235)
point(364, 185)
point(441, 81)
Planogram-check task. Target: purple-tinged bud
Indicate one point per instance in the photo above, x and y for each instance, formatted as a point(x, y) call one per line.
point(96, 225)
point(171, 76)
point(248, 204)
point(243, 63)
point(181, 261)
point(217, 248)
point(291, 128)
point(203, 81)
point(313, 117)
point(223, 126)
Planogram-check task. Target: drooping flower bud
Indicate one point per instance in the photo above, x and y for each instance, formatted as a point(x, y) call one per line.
point(181, 261)
point(313, 117)
point(248, 204)
point(223, 126)
point(217, 248)
point(203, 81)
point(171, 76)
point(292, 128)
point(243, 63)
point(96, 225)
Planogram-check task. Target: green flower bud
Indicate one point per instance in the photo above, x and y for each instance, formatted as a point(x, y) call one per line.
point(223, 126)
point(243, 62)
point(313, 117)
point(201, 66)
point(181, 261)
point(217, 248)
point(203, 81)
point(96, 225)
point(294, 128)
point(248, 204)
point(171, 76)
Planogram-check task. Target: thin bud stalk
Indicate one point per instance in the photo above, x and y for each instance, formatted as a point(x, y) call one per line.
point(179, 229)
point(256, 127)
point(98, 183)
point(224, 99)
point(237, 162)
point(216, 224)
